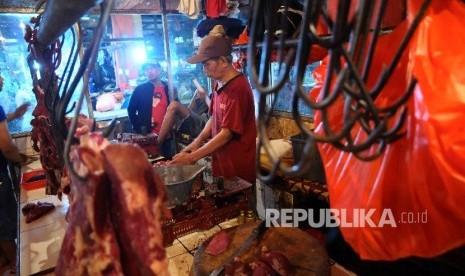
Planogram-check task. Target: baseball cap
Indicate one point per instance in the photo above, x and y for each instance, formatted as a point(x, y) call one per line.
point(216, 44)
point(150, 64)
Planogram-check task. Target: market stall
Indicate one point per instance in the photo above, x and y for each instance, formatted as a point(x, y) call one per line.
point(39, 241)
point(339, 100)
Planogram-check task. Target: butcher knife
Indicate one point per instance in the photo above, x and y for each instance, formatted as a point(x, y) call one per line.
point(261, 228)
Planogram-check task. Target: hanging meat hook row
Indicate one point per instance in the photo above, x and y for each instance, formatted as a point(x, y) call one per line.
point(361, 95)
point(43, 76)
point(351, 47)
point(87, 63)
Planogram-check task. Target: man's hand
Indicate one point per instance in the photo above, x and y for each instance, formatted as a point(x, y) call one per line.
point(19, 112)
point(182, 158)
point(193, 146)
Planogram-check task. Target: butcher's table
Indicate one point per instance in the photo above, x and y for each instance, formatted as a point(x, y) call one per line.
point(40, 241)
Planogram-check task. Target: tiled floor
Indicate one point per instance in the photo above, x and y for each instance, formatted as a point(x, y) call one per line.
point(181, 253)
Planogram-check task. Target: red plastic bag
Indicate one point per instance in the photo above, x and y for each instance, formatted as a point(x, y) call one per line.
point(439, 68)
point(420, 178)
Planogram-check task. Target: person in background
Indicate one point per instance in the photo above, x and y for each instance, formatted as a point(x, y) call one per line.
point(97, 78)
point(107, 64)
point(193, 118)
point(148, 104)
point(8, 204)
point(102, 76)
point(232, 126)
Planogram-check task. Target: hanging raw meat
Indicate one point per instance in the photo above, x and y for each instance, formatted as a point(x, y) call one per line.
point(115, 212)
point(138, 197)
point(89, 246)
point(43, 140)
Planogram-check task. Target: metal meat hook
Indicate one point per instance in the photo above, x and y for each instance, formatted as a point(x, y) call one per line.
point(85, 68)
point(44, 44)
point(351, 43)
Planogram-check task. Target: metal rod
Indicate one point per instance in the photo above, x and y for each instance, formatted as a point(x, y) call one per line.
point(167, 47)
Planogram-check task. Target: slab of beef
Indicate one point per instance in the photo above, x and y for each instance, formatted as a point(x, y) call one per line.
point(43, 136)
point(262, 269)
point(90, 246)
point(138, 197)
point(33, 211)
point(277, 261)
point(237, 268)
point(218, 244)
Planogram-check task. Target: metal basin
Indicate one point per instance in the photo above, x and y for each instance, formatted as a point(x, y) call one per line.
point(178, 181)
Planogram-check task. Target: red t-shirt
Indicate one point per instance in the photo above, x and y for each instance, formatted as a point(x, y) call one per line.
point(214, 8)
point(159, 106)
point(233, 108)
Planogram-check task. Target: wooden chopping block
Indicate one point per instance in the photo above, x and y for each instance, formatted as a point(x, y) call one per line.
point(305, 253)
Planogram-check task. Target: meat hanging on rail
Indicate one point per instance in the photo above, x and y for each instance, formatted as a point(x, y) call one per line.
point(44, 143)
point(114, 221)
point(44, 38)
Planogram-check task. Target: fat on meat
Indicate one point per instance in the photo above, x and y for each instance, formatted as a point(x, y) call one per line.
point(138, 203)
point(90, 245)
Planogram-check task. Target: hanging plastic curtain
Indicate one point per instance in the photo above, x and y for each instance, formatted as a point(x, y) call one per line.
point(413, 193)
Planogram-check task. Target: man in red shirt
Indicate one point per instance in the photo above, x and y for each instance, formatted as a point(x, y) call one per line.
point(148, 104)
point(232, 126)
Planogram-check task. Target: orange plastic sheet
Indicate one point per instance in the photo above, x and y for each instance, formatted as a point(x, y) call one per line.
point(419, 179)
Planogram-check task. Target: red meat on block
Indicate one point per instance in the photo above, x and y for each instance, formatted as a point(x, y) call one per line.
point(237, 268)
point(218, 244)
point(262, 269)
point(277, 261)
point(33, 211)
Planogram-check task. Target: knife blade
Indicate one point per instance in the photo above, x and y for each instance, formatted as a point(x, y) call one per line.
point(255, 233)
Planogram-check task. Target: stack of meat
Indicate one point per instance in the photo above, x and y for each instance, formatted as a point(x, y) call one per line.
point(271, 263)
point(115, 209)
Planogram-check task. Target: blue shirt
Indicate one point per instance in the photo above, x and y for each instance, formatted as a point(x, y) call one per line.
point(2, 114)
point(3, 161)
